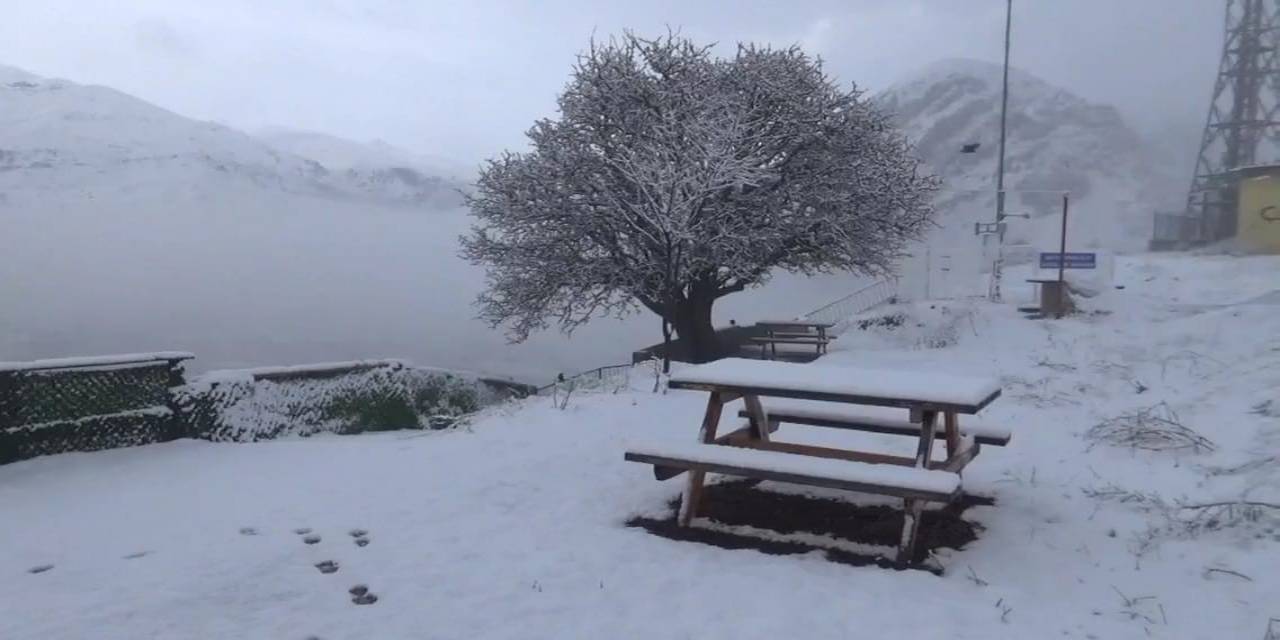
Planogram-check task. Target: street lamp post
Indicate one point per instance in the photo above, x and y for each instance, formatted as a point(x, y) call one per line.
point(998, 268)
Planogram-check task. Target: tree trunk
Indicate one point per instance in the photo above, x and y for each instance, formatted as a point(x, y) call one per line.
point(692, 322)
point(666, 346)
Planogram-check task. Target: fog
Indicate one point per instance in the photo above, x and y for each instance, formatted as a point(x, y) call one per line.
point(276, 280)
point(256, 278)
point(463, 80)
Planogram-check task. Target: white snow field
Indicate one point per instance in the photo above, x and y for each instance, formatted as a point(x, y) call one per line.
point(514, 527)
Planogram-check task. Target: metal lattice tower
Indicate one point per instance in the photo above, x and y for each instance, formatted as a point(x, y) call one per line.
point(1242, 128)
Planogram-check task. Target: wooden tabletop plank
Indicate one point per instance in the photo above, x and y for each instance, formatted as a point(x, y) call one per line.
point(855, 385)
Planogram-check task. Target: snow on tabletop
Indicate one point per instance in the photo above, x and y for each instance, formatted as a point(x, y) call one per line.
point(932, 481)
point(924, 386)
point(95, 361)
point(887, 416)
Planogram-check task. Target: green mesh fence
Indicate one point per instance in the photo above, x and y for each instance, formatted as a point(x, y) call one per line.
point(87, 406)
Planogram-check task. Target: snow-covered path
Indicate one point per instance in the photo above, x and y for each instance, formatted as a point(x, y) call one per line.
point(515, 527)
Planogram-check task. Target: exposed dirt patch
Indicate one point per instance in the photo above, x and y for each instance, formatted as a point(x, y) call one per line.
point(741, 503)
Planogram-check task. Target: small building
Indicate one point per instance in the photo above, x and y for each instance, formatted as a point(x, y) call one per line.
point(1258, 208)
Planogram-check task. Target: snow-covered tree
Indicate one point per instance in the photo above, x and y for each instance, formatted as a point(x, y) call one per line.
point(672, 178)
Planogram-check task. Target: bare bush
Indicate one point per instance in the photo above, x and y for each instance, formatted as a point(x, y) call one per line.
point(1155, 428)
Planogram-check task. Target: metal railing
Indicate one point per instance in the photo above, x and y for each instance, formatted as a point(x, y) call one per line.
point(839, 312)
point(612, 377)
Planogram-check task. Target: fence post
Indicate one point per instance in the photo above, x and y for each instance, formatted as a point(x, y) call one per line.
point(180, 426)
point(8, 401)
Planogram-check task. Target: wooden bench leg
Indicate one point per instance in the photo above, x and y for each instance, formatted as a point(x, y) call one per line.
point(952, 426)
point(691, 497)
point(760, 423)
point(693, 488)
point(913, 509)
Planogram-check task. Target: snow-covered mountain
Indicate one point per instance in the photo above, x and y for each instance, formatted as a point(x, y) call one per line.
point(65, 142)
point(340, 153)
point(376, 166)
point(1056, 142)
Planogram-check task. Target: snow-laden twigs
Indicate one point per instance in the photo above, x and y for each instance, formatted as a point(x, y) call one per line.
point(1142, 608)
point(1155, 428)
point(1186, 520)
point(1247, 467)
point(1198, 364)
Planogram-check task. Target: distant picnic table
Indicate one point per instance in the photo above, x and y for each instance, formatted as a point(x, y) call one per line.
point(837, 397)
point(801, 332)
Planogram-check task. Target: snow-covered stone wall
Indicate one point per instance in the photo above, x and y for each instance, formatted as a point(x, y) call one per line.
point(351, 397)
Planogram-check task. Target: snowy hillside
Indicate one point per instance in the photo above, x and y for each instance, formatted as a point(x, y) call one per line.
point(376, 167)
point(1056, 142)
point(65, 142)
point(338, 153)
point(1107, 522)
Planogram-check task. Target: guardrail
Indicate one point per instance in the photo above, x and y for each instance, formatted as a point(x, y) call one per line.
point(838, 312)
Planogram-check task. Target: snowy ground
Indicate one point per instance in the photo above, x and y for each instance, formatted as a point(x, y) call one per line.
point(514, 528)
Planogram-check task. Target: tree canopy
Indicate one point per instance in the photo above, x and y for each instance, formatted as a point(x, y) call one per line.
point(672, 177)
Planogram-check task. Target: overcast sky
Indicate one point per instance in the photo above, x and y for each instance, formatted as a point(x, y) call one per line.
point(463, 80)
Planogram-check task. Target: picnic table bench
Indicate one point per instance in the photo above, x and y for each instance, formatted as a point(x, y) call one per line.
point(792, 332)
point(835, 397)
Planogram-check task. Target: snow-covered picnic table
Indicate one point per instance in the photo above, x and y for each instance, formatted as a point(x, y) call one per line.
point(798, 332)
point(838, 397)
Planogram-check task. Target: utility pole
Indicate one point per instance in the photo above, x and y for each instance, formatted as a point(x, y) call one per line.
point(998, 268)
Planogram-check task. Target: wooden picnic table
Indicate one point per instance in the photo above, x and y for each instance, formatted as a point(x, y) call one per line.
point(831, 396)
point(793, 332)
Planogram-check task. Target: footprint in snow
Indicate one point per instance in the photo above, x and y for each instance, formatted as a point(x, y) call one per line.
point(360, 594)
point(135, 555)
point(302, 531)
point(311, 539)
point(248, 531)
point(328, 566)
point(361, 536)
point(40, 569)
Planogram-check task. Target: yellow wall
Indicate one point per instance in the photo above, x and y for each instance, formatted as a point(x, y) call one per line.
point(1259, 222)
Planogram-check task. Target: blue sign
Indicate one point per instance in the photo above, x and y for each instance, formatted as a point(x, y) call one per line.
point(1069, 260)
